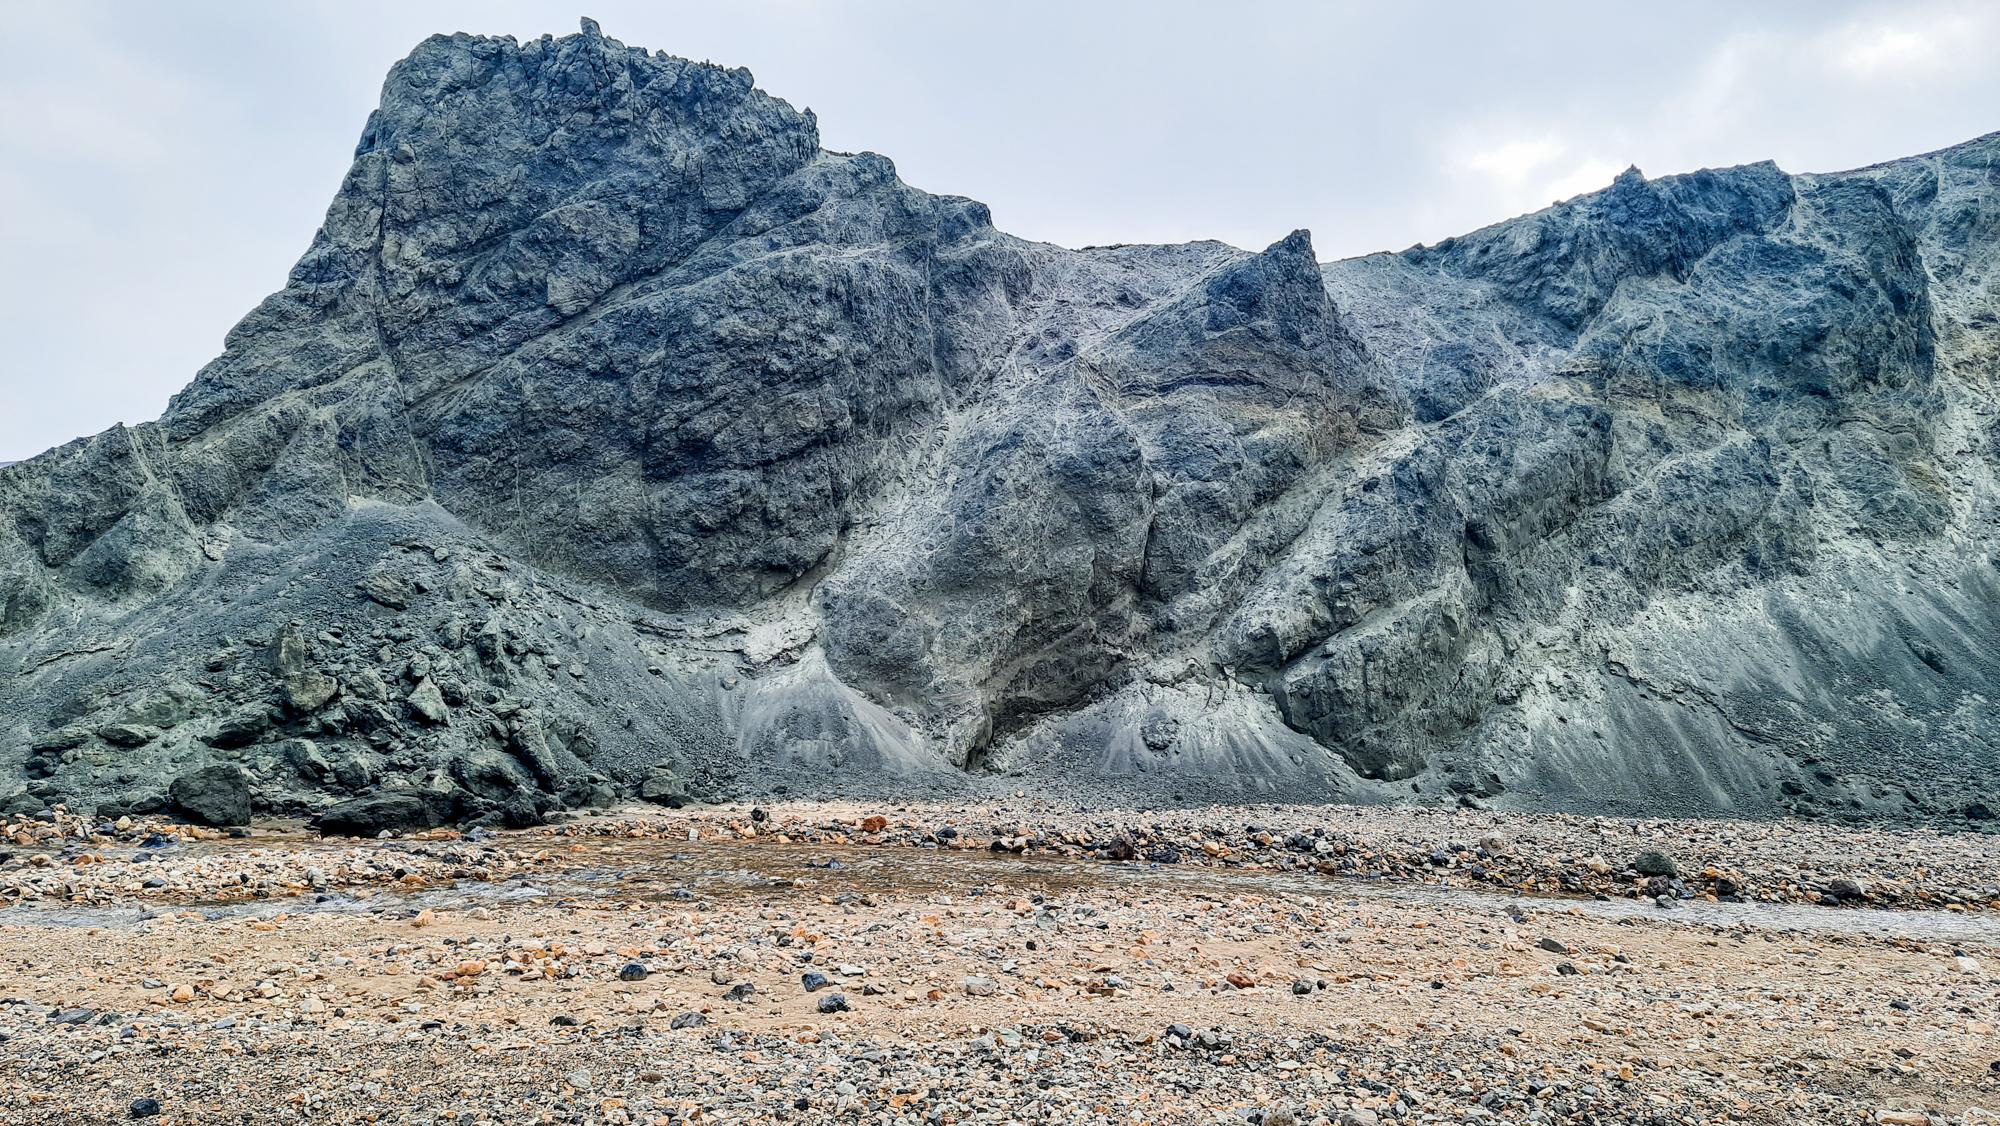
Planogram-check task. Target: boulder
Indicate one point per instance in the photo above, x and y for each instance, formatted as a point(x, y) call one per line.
point(427, 702)
point(557, 768)
point(309, 691)
point(64, 739)
point(128, 734)
point(1654, 863)
point(133, 803)
point(242, 728)
point(390, 588)
point(491, 774)
point(166, 706)
point(356, 770)
point(398, 811)
point(23, 803)
point(214, 795)
point(303, 756)
point(521, 811)
point(588, 793)
point(287, 654)
point(662, 785)
point(368, 685)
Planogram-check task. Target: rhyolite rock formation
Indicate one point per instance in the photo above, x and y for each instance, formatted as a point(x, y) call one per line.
point(613, 439)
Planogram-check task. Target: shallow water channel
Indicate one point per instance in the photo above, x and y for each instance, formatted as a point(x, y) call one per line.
point(677, 873)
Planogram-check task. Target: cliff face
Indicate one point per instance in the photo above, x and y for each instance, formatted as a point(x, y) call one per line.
point(612, 435)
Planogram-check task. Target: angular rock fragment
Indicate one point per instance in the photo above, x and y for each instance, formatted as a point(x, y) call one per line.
point(243, 727)
point(390, 588)
point(128, 734)
point(427, 700)
point(310, 690)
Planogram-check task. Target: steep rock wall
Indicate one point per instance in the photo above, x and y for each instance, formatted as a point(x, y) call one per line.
point(613, 437)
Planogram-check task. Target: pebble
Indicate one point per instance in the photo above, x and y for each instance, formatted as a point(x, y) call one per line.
point(1181, 1002)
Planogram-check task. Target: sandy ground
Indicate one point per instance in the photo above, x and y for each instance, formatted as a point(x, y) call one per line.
point(441, 979)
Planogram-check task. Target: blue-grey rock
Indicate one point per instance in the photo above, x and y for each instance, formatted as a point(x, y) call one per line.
point(427, 702)
point(213, 795)
point(128, 734)
point(387, 811)
point(1655, 863)
point(613, 437)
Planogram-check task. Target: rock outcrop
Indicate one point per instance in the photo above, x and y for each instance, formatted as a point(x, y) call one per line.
point(613, 437)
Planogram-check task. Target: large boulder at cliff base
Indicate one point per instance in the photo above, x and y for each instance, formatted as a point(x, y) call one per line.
point(377, 813)
point(216, 795)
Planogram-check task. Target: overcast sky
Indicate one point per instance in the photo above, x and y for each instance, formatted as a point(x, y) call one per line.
point(162, 165)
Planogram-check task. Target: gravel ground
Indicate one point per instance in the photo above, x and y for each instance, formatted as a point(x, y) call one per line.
point(1797, 862)
point(538, 976)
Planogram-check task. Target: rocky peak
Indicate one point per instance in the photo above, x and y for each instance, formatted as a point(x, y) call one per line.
point(613, 438)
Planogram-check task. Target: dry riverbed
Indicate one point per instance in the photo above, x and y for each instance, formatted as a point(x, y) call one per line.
point(1025, 963)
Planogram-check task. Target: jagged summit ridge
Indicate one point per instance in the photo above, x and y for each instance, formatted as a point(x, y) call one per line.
point(612, 436)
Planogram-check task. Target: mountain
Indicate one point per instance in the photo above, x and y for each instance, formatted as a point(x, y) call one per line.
point(614, 437)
